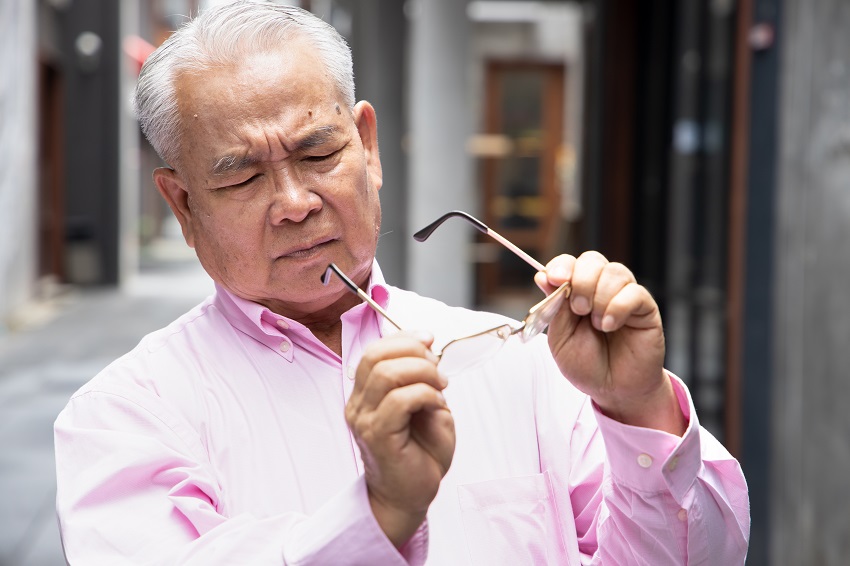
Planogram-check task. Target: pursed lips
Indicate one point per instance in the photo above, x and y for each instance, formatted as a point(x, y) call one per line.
point(308, 249)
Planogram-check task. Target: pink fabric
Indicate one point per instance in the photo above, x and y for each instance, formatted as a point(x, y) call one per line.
point(221, 440)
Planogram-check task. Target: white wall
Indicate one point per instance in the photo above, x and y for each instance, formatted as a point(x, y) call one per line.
point(18, 148)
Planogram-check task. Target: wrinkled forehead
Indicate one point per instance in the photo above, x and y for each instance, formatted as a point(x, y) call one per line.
point(267, 97)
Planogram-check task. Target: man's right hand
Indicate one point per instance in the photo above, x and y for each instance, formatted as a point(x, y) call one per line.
point(404, 429)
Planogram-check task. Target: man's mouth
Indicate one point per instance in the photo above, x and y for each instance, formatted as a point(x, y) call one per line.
point(309, 250)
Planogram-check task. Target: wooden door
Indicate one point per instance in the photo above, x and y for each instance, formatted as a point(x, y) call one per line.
point(520, 187)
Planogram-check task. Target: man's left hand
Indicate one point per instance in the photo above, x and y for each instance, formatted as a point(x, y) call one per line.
point(608, 341)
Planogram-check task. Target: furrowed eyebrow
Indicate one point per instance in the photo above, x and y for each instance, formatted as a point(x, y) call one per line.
point(231, 164)
point(317, 137)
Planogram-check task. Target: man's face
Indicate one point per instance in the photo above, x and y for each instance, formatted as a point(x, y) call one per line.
point(276, 178)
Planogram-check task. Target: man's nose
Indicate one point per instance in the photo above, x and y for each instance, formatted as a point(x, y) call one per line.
point(293, 198)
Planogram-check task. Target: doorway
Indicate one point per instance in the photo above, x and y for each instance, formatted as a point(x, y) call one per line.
point(520, 189)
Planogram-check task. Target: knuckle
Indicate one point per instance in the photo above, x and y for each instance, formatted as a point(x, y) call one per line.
point(351, 416)
point(366, 435)
point(382, 372)
point(638, 292)
point(593, 256)
point(618, 269)
point(365, 428)
point(370, 356)
point(560, 259)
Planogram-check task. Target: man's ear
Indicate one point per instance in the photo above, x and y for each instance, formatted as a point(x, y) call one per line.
point(174, 191)
point(367, 126)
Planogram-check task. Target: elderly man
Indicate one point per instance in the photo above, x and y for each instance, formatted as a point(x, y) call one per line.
point(284, 421)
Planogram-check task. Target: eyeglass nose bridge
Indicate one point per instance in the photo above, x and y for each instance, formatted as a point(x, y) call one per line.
point(473, 350)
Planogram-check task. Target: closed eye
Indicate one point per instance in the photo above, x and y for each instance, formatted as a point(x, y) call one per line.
point(245, 183)
point(320, 158)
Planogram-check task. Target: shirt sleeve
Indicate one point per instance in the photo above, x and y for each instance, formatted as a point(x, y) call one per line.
point(643, 496)
point(134, 486)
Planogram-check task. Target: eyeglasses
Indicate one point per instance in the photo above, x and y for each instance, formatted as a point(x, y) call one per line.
point(462, 354)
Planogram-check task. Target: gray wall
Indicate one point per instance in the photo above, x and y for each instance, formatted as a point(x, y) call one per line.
point(379, 43)
point(18, 143)
point(440, 172)
point(811, 420)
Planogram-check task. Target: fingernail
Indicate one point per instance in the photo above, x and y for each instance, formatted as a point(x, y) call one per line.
point(442, 380)
point(597, 321)
point(581, 305)
point(442, 398)
point(421, 335)
point(557, 272)
point(431, 357)
point(608, 323)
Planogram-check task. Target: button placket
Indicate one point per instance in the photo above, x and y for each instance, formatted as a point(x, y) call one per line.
point(348, 373)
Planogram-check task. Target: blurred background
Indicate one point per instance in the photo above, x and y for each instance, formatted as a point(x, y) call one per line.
point(703, 143)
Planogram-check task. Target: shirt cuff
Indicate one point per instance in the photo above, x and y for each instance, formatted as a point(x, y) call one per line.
point(415, 550)
point(345, 531)
point(653, 461)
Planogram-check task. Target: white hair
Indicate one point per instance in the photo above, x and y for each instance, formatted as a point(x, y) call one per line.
point(223, 35)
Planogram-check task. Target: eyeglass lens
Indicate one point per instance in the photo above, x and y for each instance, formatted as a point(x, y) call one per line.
point(463, 354)
point(541, 314)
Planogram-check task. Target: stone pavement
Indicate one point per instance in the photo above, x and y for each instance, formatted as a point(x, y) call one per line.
point(41, 366)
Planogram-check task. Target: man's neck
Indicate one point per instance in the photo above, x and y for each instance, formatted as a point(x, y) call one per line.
point(325, 323)
point(329, 334)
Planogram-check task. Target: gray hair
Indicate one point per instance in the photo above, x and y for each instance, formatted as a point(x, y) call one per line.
point(223, 35)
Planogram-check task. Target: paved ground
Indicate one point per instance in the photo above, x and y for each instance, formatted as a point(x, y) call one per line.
point(42, 366)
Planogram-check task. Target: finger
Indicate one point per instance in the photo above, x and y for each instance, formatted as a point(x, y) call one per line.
point(434, 432)
point(390, 374)
point(632, 306)
point(613, 278)
point(403, 344)
point(558, 270)
point(394, 413)
point(586, 272)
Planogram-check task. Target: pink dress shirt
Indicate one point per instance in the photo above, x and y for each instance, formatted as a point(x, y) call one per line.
point(221, 439)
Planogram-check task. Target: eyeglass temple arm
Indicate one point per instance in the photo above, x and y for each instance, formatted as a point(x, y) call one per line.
point(425, 232)
point(356, 290)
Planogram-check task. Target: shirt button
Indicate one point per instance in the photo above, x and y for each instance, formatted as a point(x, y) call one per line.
point(282, 324)
point(683, 515)
point(284, 346)
point(644, 460)
point(351, 372)
point(674, 461)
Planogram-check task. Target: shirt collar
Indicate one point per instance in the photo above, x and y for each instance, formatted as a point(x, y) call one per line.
point(277, 331)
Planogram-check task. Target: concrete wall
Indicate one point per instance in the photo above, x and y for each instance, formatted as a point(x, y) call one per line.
point(811, 422)
point(440, 172)
point(18, 146)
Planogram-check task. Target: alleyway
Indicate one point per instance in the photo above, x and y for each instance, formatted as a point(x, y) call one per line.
point(40, 368)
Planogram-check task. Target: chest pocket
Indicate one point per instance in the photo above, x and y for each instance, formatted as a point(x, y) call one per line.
point(512, 521)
